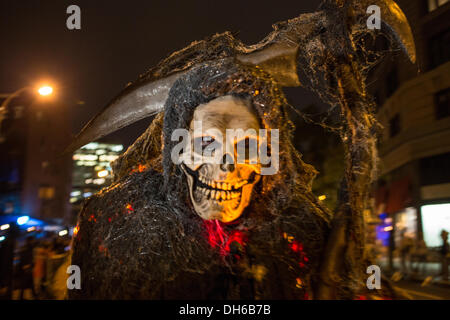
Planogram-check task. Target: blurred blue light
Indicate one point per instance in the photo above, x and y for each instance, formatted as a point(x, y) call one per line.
point(22, 220)
point(2, 238)
point(383, 215)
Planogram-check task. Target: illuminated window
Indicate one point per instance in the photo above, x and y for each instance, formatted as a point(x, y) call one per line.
point(434, 4)
point(435, 218)
point(18, 112)
point(46, 192)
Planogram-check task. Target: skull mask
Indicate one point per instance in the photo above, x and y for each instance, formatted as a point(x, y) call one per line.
point(222, 189)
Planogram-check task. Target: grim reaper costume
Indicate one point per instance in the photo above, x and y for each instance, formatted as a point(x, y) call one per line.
point(166, 230)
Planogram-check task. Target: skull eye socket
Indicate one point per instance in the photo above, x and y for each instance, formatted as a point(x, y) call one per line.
point(247, 150)
point(207, 143)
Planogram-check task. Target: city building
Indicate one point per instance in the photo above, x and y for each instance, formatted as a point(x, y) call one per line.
point(91, 171)
point(12, 153)
point(413, 192)
point(34, 175)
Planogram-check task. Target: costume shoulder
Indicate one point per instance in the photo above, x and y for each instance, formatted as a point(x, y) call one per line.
point(129, 239)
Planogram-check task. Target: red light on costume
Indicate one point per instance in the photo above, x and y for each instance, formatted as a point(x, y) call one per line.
point(129, 208)
point(236, 236)
point(103, 249)
point(218, 237)
point(297, 247)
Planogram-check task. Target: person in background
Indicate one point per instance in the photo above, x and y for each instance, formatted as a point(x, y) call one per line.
point(445, 254)
point(25, 272)
point(7, 247)
point(39, 270)
point(419, 256)
point(406, 246)
point(56, 269)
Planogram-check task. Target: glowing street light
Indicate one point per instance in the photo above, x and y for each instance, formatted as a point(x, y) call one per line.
point(45, 90)
point(102, 173)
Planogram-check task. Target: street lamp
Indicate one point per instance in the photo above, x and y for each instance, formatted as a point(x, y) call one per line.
point(45, 90)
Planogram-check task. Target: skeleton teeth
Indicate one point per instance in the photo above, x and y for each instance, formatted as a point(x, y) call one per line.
point(217, 195)
point(213, 194)
point(224, 195)
point(207, 191)
point(228, 195)
point(222, 185)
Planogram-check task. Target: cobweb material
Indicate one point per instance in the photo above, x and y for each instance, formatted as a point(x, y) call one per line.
point(141, 239)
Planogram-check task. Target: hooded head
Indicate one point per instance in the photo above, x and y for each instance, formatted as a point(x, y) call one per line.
point(239, 95)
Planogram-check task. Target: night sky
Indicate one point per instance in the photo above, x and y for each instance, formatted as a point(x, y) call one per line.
point(118, 41)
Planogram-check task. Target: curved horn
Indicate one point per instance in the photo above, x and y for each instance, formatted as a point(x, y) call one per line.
point(277, 53)
point(391, 16)
point(136, 102)
point(279, 60)
point(396, 20)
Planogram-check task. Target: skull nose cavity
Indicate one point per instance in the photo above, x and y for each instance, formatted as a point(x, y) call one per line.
point(228, 164)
